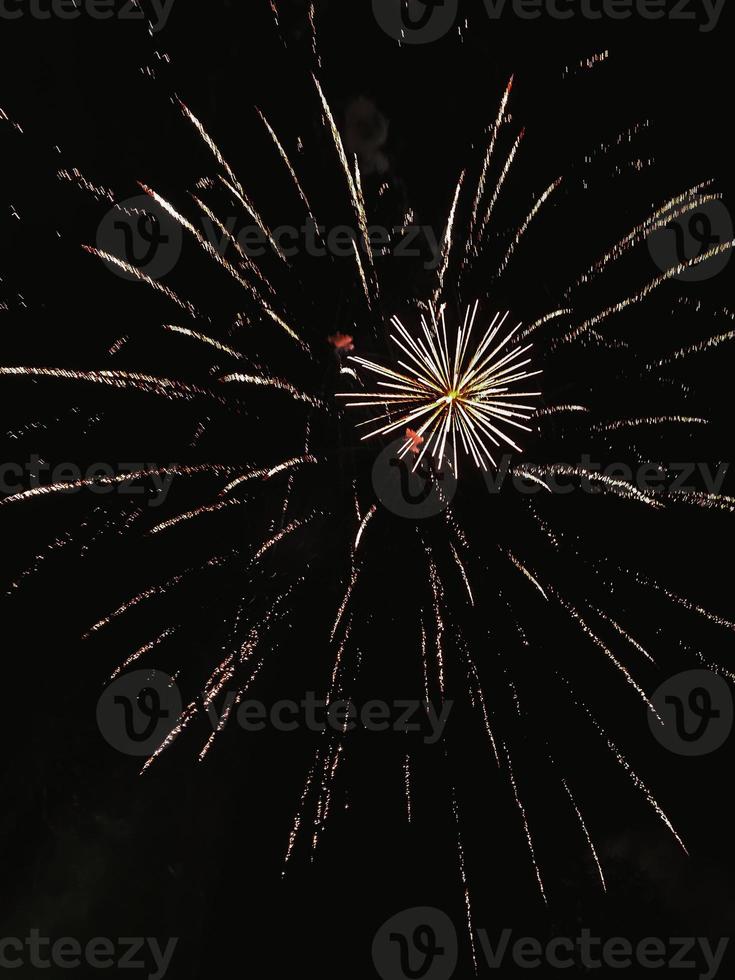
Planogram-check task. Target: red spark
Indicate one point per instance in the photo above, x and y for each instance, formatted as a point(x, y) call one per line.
point(342, 342)
point(416, 440)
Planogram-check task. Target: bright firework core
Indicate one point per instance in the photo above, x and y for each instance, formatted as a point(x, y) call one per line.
point(454, 391)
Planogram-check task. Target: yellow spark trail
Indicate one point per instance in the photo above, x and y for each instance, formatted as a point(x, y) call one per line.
point(499, 186)
point(654, 222)
point(204, 339)
point(642, 294)
point(526, 224)
point(463, 394)
point(164, 387)
point(623, 762)
point(524, 818)
point(276, 383)
point(639, 423)
point(137, 273)
point(267, 472)
point(116, 479)
point(486, 162)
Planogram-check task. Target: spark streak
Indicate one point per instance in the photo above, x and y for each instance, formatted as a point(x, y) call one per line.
point(463, 395)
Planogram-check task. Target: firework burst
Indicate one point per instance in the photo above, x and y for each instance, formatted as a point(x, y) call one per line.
point(466, 391)
point(452, 391)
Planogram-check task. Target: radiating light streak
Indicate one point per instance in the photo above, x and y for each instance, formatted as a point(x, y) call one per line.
point(437, 591)
point(619, 424)
point(589, 632)
point(619, 629)
point(623, 762)
point(228, 237)
point(365, 521)
point(499, 186)
point(141, 651)
point(547, 318)
point(463, 875)
point(276, 383)
point(204, 339)
point(558, 410)
point(205, 245)
point(195, 512)
point(526, 828)
point(277, 538)
point(474, 675)
point(710, 501)
point(133, 270)
point(116, 479)
point(407, 784)
point(253, 212)
point(355, 194)
point(76, 177)
point(158, 590)
point(642, 294)
point(586, 834)
point(266, 473)
point(345, 601)
point(464, 394)
point(698, 348)
point(214, 149)
point(654, 222)
point(289, 166)
point(619, 487)
point(463, 572)
point(524, 571)
point(527, 223)
point(165, 387)
point(361, 273)
point(481, 184)
point(448, 240)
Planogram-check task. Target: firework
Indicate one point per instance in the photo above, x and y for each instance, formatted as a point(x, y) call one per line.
point(448, 391)
point(457, 392)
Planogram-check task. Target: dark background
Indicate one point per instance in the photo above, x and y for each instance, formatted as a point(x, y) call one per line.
point(196, 850)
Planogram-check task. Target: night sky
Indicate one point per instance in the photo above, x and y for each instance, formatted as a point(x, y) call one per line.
point(195, 850)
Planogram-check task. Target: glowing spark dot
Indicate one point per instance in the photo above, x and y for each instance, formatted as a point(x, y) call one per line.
point(461, 392)
point(416, 441)
point(342, 342)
